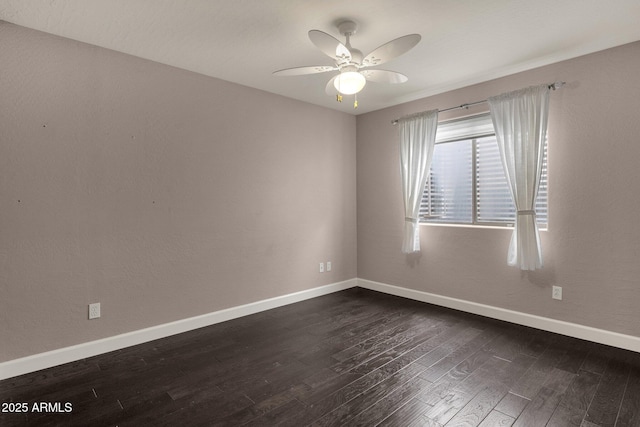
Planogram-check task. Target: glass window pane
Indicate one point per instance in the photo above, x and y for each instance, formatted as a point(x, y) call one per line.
point(449, 189)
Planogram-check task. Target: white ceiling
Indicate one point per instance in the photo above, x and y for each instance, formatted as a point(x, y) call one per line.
point(244, 41)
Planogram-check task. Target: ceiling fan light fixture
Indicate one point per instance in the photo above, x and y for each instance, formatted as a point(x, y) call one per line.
point(349, 82)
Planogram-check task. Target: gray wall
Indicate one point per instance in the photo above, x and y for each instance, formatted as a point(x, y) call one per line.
point(164, 194)
point(160, 193)
point(592, 246)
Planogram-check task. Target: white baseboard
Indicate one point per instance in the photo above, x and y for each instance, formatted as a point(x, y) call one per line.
point(52, 358)
point(575, 330)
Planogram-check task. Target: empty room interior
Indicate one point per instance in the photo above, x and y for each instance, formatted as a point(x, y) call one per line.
point(202, 225)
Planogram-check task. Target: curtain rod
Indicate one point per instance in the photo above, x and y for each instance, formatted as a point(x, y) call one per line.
point(551, 86)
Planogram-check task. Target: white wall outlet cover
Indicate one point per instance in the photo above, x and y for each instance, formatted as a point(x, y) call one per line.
point(328, 265)
point(94, 310)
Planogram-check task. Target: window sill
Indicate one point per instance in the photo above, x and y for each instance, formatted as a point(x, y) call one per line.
point(494, 227)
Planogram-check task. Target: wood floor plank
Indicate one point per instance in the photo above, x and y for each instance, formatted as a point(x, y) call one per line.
point(466, 346)
point(629, 414)
point(409, 350)
point(605, 405)
point(539, 411)
point(376, 413)
point(329, 397)
point(535, 377)
point(581, 390)
point(256, 410)
point(497, 419)
point(349, 333)
point(448, 382)
point(143, 411)
point(540, 341)
point(446, 407)
point(597, 359)
point(406, 414)
point(559, 380)
point(371, 344)
point(337, 383)
point(371, 336)
point(432, 350)
point(512, 342)
point(14, 419)
point(86, 405)
point(496, 371)
point(423, 421)
point(512, 405)
point(32, 386)
point(291, 414)
point(574, 357)
point(566, 417)
point(378, 346)
point(137, 384)
point(345, 412)
point(272, 380)
point(478, 408)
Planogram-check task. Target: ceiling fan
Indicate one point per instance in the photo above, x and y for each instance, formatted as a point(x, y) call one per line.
point(351, 63)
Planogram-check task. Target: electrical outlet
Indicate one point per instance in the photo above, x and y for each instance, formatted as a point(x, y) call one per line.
point(556, 292)
point(328, 265)
point(322, 267)
point(94, 310)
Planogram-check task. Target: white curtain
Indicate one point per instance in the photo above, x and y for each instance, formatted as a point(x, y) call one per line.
point(417, 139)
point(520, 122)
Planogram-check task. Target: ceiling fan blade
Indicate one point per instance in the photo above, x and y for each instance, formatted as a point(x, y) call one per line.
point(300, 71)
point(391, 50)
point(384, 76)
point(329, 45)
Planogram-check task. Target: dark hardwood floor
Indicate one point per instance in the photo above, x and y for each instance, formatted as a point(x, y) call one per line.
point(355, 358)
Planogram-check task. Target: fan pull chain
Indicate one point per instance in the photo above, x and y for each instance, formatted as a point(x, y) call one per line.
point(355, 101)
point(338, 97)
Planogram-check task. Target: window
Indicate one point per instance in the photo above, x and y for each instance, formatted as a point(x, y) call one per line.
point(466, 183)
